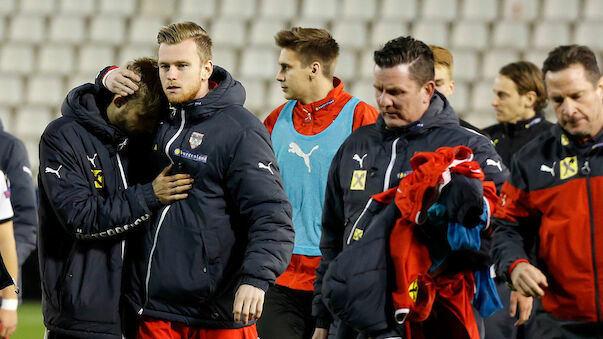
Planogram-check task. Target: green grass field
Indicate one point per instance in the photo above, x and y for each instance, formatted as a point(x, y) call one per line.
point(30, 321)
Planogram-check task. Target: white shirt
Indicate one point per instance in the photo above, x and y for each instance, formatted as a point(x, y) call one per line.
point(6, 210)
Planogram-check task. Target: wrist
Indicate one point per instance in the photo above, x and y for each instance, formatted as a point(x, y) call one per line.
point(9, 304)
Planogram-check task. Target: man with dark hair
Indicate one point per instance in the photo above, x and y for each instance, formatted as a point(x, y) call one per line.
point(553, 199)
point(306, 132)
point(88, 204)
point(519, 100)
point(413, 118)
point(203, 267)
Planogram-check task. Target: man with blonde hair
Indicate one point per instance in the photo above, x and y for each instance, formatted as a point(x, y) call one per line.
point(443, 64)
point(204, 265)
point(306, 132)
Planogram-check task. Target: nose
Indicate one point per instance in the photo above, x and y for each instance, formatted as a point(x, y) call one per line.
point(568, 107)
point(383, 99)
point(280, 77)
point(171, 73)
point(494, 102)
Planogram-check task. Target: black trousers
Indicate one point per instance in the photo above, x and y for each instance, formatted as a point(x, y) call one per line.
point(287, 314)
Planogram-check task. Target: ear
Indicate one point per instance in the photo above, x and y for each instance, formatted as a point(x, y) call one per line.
point(315, 69)
point(119, 100)
point(599, 88)
point(451, 87)
point(207, 70)
point(529, 99)
point(428, 88)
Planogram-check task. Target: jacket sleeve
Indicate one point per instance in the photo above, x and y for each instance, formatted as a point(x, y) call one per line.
point(83, 213)
point(491, 163)
point(259, 194)
point(333, 226)
point(515, 225)
point(23, 200)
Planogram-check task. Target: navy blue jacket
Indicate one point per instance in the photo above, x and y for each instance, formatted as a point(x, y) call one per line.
point(15, 165)
point(235, 226)
point(388, 152)
point(86, 207)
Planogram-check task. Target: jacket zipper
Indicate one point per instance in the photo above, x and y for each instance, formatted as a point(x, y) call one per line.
point(163, 213)
point(171, 141)
point(586, 172)
point(123, 178)
point(390, 167)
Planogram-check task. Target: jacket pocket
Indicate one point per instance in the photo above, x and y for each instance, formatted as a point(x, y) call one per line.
point(90, 283)
point(179, 267)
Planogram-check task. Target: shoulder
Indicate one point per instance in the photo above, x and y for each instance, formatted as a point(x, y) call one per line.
point(271, 119)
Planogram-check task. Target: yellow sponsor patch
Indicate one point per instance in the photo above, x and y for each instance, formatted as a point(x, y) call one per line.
point(98, 178)
point(358, 180)
point(155, 147)
point(495, 141)
point(568, 167)
point(564, 140)
point(413, 290)
point(357, 234)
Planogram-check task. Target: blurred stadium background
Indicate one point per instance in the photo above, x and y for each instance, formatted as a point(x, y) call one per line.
point(50, 46)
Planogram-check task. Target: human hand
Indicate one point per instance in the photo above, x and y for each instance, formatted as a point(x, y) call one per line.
point(8, 322)
point(170, 188)
point(320, 333)
point(248, 304)
point(122, 81)
point(528, 280)
point(525, 307)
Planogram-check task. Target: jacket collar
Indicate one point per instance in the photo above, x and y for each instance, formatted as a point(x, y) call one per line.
point(438, 114)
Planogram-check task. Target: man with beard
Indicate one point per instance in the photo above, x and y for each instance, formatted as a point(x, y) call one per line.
point(204, 266)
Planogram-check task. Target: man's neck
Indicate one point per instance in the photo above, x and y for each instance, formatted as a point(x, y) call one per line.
point(318, 91)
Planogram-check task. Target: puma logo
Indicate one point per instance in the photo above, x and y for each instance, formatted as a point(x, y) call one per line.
point(266, 167)
point(359, 159)
point(545, 168)
point(93, 159)
point(294, 148)
point(54, 171)
point(494, 163)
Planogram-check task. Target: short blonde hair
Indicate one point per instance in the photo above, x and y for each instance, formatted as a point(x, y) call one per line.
point(178, 32)
point(442, 57)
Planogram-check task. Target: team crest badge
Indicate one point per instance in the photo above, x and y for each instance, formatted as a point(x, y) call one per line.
point(99, 179)
point(196, 139)
point(568, 167)
point(413, 290)
point(358, 180)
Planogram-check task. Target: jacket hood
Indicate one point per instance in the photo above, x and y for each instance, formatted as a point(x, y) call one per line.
point(228, 92)
point(87, 105)
point(438, 114)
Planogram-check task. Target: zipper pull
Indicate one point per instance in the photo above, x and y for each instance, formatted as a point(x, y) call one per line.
point(586, 168)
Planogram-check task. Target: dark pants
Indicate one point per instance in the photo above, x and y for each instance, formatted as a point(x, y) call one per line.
point(287, 314)
point(546, 326)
